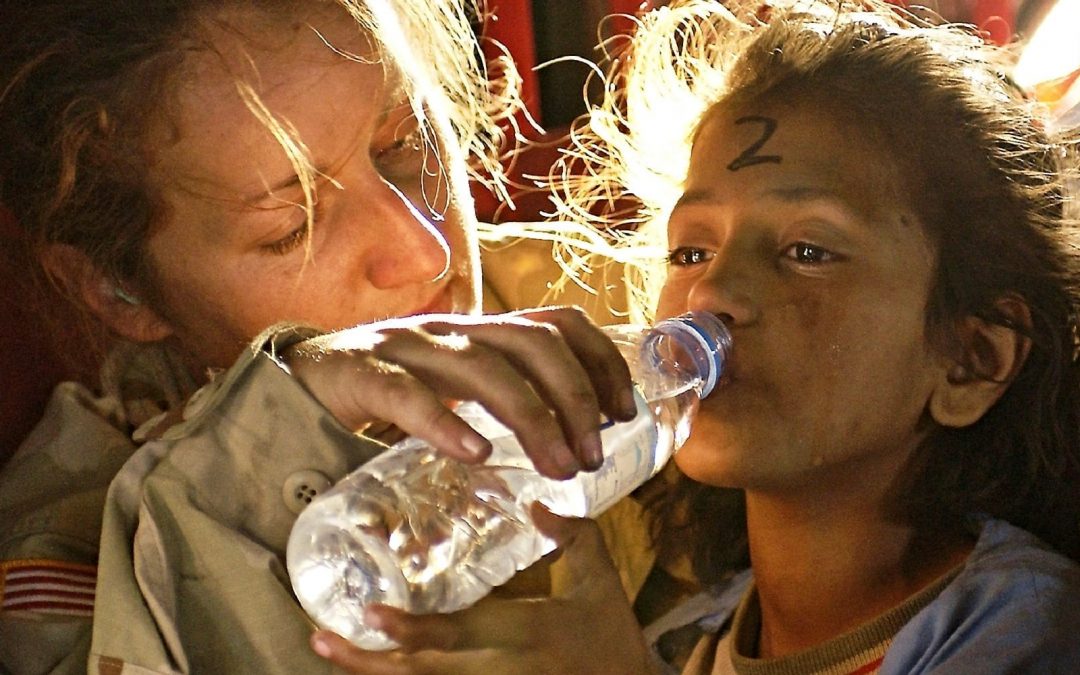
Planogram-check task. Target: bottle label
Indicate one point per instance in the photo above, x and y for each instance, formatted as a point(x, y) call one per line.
point(629, 458)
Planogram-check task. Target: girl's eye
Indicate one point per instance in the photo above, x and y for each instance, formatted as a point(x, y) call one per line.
point(685, 256)
point(806, 253)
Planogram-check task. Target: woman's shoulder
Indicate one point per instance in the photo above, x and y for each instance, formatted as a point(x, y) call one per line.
point(52, 489)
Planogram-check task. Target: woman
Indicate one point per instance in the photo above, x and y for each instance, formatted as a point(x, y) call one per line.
point(234, 190)
point(885, 223)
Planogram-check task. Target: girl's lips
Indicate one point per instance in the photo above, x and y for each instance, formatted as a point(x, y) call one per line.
point(725, 381)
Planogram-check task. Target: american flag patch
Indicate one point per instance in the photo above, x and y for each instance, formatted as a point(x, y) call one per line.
point(47, 587)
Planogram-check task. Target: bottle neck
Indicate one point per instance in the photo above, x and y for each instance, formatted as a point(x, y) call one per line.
point(690, 349)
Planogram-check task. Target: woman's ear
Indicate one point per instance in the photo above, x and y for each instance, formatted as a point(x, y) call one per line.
point(990, 358)
point(119, 308)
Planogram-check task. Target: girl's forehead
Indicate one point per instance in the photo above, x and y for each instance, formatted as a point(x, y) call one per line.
point(795, 144)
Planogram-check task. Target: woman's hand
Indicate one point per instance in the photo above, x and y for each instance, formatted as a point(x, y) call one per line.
point(586, 626)
point(547, 374)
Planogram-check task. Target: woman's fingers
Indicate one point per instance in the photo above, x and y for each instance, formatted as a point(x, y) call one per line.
point(492, 623)
point(352, 659)
point(596, 352)
point(586, 626)
point(575, 369)
point(359, 389)
point(548, 381)
point(492, 370)
point(559, 379)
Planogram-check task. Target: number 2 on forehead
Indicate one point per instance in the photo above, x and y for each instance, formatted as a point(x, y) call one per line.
point(749, 156)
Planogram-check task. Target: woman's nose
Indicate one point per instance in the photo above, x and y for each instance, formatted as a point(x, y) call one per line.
point(405, 246)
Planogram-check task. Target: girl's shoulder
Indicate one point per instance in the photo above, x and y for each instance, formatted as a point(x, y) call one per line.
point(1010, 563)
point(1014, 606)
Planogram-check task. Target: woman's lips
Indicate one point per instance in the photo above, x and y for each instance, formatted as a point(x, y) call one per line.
point(442, 303)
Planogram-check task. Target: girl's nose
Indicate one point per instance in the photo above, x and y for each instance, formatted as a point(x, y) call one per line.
point(406, 248)
point(726, 292)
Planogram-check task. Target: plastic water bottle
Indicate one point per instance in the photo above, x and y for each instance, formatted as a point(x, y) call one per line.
point(426, 533)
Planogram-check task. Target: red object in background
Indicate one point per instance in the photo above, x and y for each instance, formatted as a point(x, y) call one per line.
point(514, 28)
point(620, 9)
point(996, 17)
point(29, 366)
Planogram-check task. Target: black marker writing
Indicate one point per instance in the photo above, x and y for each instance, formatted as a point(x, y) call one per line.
point(749, 157)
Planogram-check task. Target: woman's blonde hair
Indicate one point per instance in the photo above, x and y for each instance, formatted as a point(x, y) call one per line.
point(80, 81)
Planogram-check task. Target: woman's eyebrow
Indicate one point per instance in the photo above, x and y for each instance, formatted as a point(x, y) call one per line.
point(270, 190)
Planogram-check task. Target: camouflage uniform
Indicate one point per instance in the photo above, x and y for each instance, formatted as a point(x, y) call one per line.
point(190, 574)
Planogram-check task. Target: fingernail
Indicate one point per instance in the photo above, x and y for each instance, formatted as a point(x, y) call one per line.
point(565, 459)
point(373, 619)
point(592, 451)
point(320, 646)
point(476, 445)
point(627, 405)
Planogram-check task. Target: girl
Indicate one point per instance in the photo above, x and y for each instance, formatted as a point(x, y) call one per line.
point(885, 223)
point(192, 174)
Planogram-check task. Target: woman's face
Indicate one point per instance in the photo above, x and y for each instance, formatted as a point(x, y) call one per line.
point(796, 226)
point(391, 236)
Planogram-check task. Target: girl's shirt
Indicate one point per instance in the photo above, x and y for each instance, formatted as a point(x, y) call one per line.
point(1013, 606)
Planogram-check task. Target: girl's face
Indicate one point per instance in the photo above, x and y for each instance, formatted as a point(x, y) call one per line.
point(796, 226)
point(230, 259)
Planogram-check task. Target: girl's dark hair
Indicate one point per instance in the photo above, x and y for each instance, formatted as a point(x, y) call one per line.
point(991, 183)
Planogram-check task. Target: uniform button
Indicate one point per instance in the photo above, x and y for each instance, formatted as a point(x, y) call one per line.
point(303, 486)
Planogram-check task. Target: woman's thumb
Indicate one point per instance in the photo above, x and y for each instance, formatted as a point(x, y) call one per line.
point(583, 562)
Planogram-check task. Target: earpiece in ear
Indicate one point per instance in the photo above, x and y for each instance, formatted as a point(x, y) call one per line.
point(125, 296)
point(958, 374)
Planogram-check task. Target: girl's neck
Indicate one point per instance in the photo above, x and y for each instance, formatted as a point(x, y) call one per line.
point(825, 565)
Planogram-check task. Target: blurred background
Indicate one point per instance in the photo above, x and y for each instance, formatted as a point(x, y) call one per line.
point(542, 32)
point(553, 42)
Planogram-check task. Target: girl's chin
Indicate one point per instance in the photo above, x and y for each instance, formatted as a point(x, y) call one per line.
point(703, 469)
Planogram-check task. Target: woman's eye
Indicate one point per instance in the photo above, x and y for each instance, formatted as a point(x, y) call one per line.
point(409, 144)
point(806, 253)
point(289, 242)
point(685, 256)
point(299, 234)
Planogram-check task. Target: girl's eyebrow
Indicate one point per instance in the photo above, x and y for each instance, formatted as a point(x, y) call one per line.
point(787, 195)
point(824, 200)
